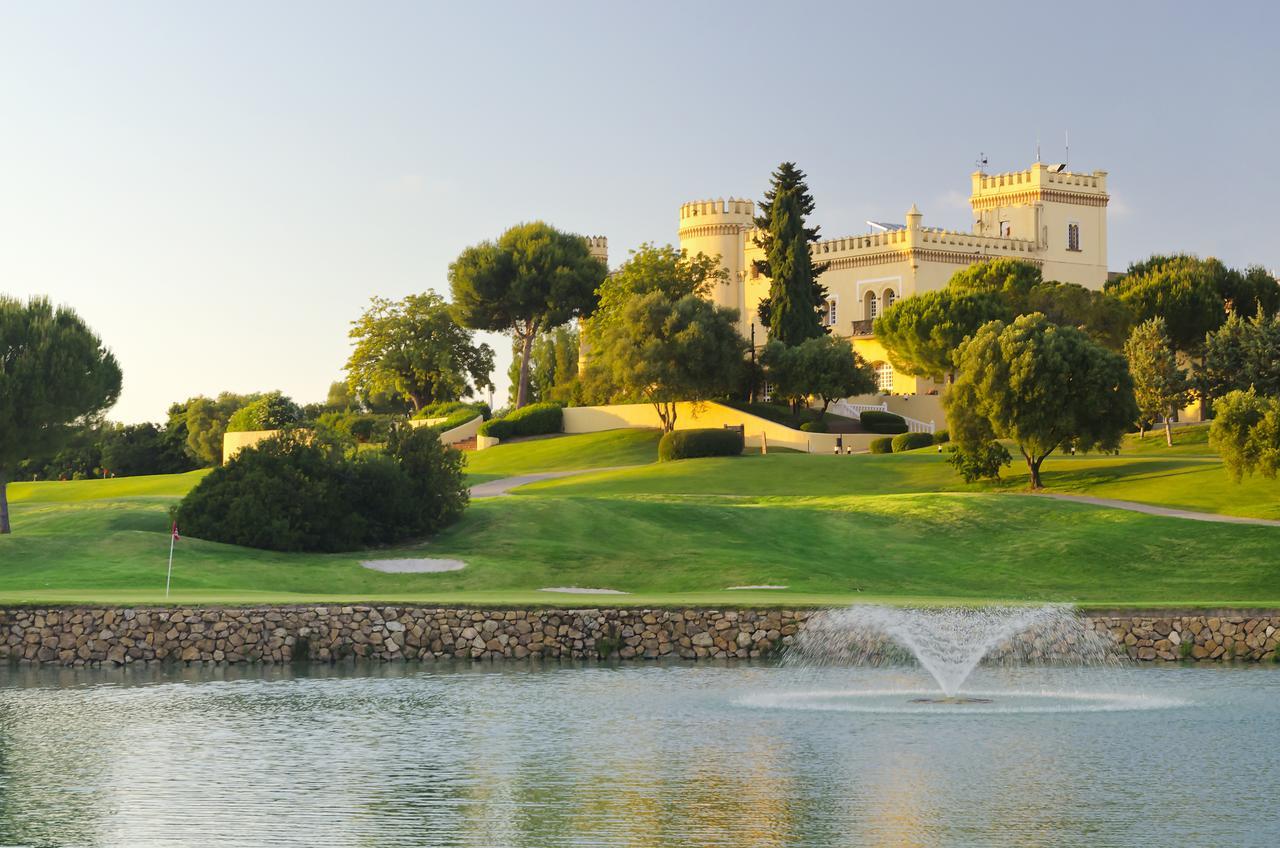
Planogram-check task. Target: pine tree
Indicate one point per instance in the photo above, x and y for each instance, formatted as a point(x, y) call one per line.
point(788, 180)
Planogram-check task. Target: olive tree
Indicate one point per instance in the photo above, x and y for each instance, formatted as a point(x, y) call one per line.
point(1041, 386)
point(54, 372)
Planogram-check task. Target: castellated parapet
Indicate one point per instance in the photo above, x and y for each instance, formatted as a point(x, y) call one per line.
point(598, 246)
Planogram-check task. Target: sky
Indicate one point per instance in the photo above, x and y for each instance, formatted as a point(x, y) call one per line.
point(218, 189)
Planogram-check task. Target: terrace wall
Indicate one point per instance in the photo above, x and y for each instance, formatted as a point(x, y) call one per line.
point(93, 636)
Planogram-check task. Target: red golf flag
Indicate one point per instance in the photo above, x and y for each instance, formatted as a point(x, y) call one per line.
point(176, 537)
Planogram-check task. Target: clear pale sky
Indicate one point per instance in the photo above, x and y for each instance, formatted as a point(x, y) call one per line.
point(219, 188)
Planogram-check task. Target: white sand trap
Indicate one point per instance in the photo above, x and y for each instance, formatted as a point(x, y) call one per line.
point(763, 586)
point(414, 566)
point(575, 590)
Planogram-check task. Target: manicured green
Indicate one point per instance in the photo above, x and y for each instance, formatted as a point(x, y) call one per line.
point(900, 528)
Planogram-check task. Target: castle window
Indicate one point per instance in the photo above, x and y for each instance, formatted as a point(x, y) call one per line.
point(1006, 229)
point(871, 306)
point(889, 298)
point(1073, 236)
point(831, 312)
point(884, 376)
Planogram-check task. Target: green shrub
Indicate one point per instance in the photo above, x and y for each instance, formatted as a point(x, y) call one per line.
point(981, 461)
point(941, 437)
point(884, 445)
point(814, 426)
point(536, 419)
point(291, 494)
point(911, 441)
point(687, 444)
point(272, 411)
point(883, 422)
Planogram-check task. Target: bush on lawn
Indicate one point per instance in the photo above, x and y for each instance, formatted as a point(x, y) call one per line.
point(289, 493)
point(882, 422)
point(941, 437)
point(911, 441)
point(688, 444)
point(884, 445)
point(814, 426)
point(536, 419)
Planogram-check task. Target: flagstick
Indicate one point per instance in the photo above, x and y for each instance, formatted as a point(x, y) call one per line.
point(168, 576)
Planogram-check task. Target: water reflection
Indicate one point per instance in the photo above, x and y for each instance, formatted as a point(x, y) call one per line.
point(640, 755)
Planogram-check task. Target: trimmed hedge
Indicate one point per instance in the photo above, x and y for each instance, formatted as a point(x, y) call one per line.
point(884, 445)
point(447, 408)
point(882, 422)
point(941, 437)
point(911, 441)
point(536, 419)
point(687, 444)
point(814, 426)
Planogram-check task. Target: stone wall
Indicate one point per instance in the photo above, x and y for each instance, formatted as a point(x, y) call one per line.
point(93, 636)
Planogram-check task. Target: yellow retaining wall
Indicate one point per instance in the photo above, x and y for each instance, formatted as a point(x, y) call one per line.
point(233, 443)
point(920, 407)
point(692, 416)
point(458, 434)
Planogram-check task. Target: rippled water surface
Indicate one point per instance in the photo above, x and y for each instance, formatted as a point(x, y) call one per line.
point(637, 755)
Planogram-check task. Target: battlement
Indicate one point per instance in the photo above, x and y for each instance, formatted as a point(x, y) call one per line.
point(734, 210)
point(920, 238)
point(1039, 182)
point(600, 242)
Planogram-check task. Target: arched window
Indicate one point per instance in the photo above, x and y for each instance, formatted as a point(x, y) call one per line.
point(884, 376)
point(871, 306)
point(889, 298)
point(831, 312)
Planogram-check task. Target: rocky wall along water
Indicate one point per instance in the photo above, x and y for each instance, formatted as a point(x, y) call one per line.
point(79, 636)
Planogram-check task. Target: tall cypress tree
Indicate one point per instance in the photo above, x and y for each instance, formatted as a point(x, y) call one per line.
point(793, 309)
point(788, 179)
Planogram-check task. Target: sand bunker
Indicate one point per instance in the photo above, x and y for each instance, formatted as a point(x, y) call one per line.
point(414, 566)
point(574, 590)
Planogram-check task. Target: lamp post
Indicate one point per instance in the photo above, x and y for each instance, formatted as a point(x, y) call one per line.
point(752, 393)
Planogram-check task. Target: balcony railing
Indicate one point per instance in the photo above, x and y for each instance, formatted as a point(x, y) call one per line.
point(862, 328)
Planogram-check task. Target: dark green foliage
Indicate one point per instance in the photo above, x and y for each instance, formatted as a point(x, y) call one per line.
point(814, 426)
point(348, 428)
point(534, 420)
point(288, 494)
point(1187, 292)
point(941, 437)
point(654, 339)
point(911, 441)
point(54, 374)
point(883, 422)
point(136, 449)
point(980, 460)
point(1246, 434)
point(1011, 280)
point(415, 349)
point(553, 364)
point(1042, 386)
point(272, 411)
point(689, 444)
point(440, 410)
point(884, 445)
point(825, 367)
point(783, 235)
point(921, 333)
point(532, 279)
point(1241, 354)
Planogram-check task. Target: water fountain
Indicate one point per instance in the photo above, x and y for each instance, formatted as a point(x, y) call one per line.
point(949, 644)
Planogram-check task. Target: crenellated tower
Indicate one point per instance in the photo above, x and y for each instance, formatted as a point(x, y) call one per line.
point(720, 228)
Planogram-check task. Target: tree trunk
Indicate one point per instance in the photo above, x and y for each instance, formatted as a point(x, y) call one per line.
point(1033, 468)
point(1168, 428)
point(522, 393)
point(4, 506)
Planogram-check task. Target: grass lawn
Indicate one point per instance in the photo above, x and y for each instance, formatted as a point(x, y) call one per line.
point(900, 528)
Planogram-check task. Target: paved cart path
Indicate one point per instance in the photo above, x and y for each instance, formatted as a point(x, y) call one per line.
point(497, 488)
point(1167, 512)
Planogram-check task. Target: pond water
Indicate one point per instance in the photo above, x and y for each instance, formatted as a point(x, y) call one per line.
point(637, 755)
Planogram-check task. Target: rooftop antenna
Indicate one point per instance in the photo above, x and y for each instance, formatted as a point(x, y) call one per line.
point(1066, 134)
point(981, 163)
point(1037, 148)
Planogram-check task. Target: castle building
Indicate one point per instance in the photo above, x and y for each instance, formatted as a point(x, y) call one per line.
point(1045, 215)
